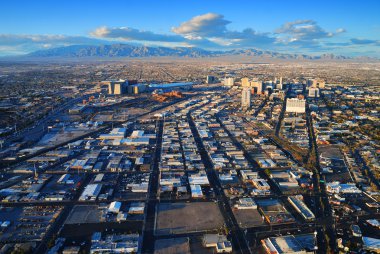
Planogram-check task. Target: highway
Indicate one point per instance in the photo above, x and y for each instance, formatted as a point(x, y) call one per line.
point(4, 165)
point(35, 132)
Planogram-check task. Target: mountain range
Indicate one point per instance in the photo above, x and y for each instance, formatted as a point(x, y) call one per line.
point(126, 50)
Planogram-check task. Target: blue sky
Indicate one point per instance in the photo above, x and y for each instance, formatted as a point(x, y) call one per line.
point(308, 27)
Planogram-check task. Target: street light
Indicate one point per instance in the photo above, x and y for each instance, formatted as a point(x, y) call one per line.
point(315, 241)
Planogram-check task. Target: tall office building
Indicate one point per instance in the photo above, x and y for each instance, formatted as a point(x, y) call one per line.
point(245, 82)
point(257, 85)
point(316, 83)
point(246, 97)
point(295, 105)
point(210, 79)
point(313, 92)
point(279, 84)
point(269, 86)
point(321, 84)
point(229, 81)
point(117, 86)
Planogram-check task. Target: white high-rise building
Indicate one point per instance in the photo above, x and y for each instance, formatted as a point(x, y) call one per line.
point(295, 105)
point(313, 92)
point(229, 81)
point(246, 98)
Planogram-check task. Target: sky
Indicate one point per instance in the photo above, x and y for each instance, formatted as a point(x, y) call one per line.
point(350, 28)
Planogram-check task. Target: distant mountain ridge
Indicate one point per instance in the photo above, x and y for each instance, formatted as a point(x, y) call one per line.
point(126, 50)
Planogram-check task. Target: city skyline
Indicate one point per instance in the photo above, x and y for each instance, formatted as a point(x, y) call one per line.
point(296, 27)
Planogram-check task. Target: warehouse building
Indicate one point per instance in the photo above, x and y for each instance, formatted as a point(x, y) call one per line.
point(91, 192)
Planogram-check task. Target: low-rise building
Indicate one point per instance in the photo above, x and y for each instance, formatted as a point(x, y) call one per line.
point(219, 242)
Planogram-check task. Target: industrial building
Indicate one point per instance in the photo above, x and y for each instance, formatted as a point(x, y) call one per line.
point(301, 207)
point(219, 242)
point(91, 192)
point(246, 203)
point(114, 207)
point(116, 133)
point(296, 244)
point(167, 87)
point(199, 179)
point(137, 208)
point(196, 191)
point(65, 179)
point(128, 243)
point(371, 244)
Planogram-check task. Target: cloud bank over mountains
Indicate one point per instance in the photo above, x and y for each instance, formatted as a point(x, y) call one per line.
point(207, 31)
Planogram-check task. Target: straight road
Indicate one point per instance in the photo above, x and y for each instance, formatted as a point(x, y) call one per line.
point(324, 210)
point(238, 238)
point(151, 204)
point(42, 246)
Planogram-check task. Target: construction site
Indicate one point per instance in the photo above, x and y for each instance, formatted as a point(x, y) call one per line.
point(163, 97)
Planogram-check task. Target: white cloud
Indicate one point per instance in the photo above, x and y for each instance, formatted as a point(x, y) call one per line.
point(304, 31)
point(132, 34)
point(207, 25)
point(340, 30)
point(213, 27)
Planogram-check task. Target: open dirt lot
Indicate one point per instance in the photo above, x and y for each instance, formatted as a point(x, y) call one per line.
point(177, 218)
